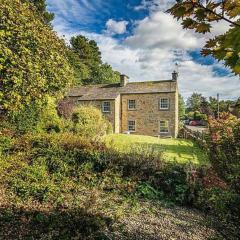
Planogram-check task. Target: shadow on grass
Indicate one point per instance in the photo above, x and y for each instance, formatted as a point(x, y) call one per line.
point(182, 153)
point(18, 223)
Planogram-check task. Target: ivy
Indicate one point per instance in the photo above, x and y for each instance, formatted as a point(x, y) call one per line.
point(33, 62)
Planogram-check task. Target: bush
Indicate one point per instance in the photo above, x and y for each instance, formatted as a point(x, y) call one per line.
point(37, 118)
point(224, 145)
point(224, 205)
point(224, 149)
point(89, 122)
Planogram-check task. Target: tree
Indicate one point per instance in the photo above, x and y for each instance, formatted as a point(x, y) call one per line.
point(87, 50)
point(86, 60)
point(195, 101)
point(41, 7)
point(81, 71)
point(201, 14)
point(102, 74)
point(181, 106)
point(33, 60)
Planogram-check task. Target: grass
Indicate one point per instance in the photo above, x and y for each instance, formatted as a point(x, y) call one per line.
point(180, 150)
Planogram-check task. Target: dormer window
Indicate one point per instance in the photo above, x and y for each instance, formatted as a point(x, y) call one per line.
point(164, 104)
point(106, 107)
point(131, 104)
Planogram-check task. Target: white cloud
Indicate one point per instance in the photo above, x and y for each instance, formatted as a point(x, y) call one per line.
point(157, 42)
point(115, 27)
point(155, 5)
point(160, 30)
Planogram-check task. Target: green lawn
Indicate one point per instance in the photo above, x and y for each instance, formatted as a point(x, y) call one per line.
point(179, 150)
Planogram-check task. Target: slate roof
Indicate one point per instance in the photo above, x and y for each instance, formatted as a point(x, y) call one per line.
point(112, 91)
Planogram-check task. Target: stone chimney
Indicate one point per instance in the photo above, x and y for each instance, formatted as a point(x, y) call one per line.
point(174, 76)
point(123, 80)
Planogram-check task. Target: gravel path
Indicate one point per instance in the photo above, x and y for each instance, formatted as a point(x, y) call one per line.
point(164, 224)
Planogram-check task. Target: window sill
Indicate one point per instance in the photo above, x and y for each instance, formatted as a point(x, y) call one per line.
point(164, 109)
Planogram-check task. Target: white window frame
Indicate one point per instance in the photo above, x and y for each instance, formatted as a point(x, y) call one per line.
point(163, 107)
point(103, 107)
point(132, 125)
point(160, 127)
point(133, 106)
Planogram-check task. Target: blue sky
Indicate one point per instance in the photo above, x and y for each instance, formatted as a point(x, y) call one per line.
point(138, 38)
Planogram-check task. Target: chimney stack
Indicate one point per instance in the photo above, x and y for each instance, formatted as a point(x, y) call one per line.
point(174, 76)
point(123, 80)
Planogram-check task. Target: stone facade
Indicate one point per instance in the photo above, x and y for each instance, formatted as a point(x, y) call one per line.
point(147, 114)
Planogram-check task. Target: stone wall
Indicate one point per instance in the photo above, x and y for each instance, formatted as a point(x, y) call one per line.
point(147, 114)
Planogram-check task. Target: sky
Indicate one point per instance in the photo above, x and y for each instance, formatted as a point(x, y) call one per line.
point(138, 38)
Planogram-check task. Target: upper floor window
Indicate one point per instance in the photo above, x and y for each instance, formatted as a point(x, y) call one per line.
point(164, 126)
point(106, 107)
point(164, 104)
point(132, 126)
point(131, 104)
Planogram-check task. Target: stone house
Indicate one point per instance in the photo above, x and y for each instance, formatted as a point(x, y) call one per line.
point(144, 108)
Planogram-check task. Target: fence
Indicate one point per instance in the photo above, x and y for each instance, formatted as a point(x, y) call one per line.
point(197, 136)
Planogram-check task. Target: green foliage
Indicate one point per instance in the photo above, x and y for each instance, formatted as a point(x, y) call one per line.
point(81, 70)
point(224, 148)
point(194, 102)
point(102, 74)
point(196, 116)
point(88, 121)
point(65, 172)
point(87, 50)
point(224, 144)
point(224, 205)
point(200, 16)
point(37, 118)
point(42, 9)
point(85, 58)
point(33, 63)
point(181, 106)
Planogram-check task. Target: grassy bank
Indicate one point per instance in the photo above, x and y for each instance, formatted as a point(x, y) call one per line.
point(179, 150)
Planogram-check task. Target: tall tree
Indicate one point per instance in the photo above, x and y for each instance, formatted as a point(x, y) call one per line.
point(87, 50)
point(102, 74)
point(200, 16)
point(195, 101)
point(181, 106)
point(86, 59)
point(33, 63)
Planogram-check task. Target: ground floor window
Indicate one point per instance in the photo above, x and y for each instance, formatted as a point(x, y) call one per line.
point(164, 126)
point(132, 125)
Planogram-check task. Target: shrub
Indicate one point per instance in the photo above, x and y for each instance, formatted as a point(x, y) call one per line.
point(224, 205)
point(224, 145)
point(89, 122)
point(37, 118)
point(224, 149)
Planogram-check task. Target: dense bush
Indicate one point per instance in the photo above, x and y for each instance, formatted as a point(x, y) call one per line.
point(224, 152)
point(224, 144)
point(89, 122)
point(36, 118)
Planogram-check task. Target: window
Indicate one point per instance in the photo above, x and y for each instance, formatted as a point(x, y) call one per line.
point(106, 107)
point(132, 126)
point(164, 104)
point(164, 127)
point(131, 104)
